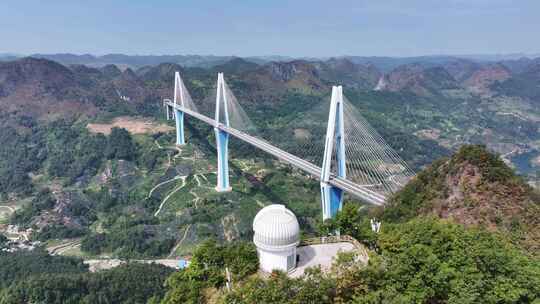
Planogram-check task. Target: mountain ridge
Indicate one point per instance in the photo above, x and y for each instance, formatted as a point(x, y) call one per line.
point(473, 188)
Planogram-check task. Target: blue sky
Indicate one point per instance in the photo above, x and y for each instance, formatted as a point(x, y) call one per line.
point(294, 28)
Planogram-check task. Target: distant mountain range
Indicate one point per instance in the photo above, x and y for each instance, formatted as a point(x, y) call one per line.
point(383, 63)
point(88, 80)
point(454, 102)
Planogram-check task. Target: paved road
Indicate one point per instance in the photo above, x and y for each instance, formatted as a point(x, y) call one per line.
point(103, 264)
point(61, 248)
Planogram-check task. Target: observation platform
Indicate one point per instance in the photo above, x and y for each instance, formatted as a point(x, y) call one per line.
point(322, 252)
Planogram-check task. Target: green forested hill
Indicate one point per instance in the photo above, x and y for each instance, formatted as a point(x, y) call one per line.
point(415, 259)
point(39, 278)
point(477, 255)
point(474, 188)
point(96, 179)
point(134, 194)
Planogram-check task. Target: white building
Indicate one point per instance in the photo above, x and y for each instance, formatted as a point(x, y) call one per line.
point(276, 235)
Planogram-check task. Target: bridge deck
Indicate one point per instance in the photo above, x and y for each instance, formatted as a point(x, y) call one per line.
point(359, 191)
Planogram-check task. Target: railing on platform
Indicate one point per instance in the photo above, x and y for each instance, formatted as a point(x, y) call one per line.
point(336, 239)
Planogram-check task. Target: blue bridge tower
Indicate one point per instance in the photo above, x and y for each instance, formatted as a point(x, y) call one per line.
point(222, 137)
point(331, 196)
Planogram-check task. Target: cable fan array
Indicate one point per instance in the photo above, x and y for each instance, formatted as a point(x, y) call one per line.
point(370, 161)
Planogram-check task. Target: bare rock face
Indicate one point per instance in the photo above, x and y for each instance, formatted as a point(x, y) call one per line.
point(40, 87)
point(524, 84)
point(381, 84)
point(481, 80)
point(271, 80)
point(48, 90)
point(344, 72)
point(299, 75)
point(418, 79)
point(122, 171)
point(461, 69)
point(288, 71)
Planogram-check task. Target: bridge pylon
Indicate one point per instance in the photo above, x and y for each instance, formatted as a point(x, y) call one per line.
point(177, 114)
point(331, 196)
point(222, 137)
point(168, 109)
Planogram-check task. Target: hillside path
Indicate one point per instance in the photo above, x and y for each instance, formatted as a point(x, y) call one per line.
point(161, 184)
point(170, 194)
point(180, 242)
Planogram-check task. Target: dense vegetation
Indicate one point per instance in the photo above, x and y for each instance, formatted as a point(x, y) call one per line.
point(420, 261)
point(3, 241)
point(18, 156)
point(61, 148)
point(314, 287)
point(22, 265)
point(207, 270)
point(418, 258)
point(85, 181)
point(129, 236)
point(68, 153)
point(415, 260)
point(75, 183)
point(40, 278)
point(427, 261)
point(36, 277)
point(42, 201)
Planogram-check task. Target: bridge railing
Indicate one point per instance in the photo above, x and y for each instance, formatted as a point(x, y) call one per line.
point(342, 183)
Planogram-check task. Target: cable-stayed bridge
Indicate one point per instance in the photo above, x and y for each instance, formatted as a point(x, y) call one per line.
point(353, 156)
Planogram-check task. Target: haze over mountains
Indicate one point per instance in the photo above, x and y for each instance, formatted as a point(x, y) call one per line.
point(384, 63)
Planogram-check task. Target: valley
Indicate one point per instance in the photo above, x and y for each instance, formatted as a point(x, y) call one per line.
point(270, 152)
point(125, 190)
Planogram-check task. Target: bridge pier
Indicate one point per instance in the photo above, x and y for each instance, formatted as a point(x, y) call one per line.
point(331, 196)
point(222, 137)
point(331, 200)
point(180, 139)
point(222, 143)
point(167, 109)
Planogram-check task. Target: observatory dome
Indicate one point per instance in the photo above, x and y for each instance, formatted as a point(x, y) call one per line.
point(276, 227)
point(276, 235)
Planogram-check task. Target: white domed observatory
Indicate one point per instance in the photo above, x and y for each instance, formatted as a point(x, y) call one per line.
point(276, 235)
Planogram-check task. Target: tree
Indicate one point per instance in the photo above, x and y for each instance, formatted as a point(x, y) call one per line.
point(433, 261)
point(350, 221)
point(120, 145)
point(129, 283)
point(3, 241)
point(313, 287)
point(241, 258)
point(207, 269)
